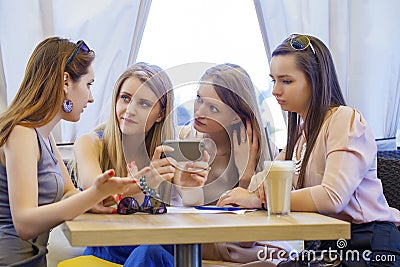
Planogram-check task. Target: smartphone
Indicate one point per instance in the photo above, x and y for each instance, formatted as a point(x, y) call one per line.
point(184, 150)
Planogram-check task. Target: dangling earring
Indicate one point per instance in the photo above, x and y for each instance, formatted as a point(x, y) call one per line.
point(67, 105)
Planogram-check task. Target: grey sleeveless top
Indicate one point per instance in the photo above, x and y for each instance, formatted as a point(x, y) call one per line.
point(13, 250)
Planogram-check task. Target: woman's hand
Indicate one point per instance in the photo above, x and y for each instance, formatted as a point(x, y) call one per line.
point(257, 185)
point(110, 186)
point(239, 197)
point(101, 208)
point(246, 153)
point(109, 201)
point(260, 193)
point(194, 173)
point(161, 169)
point(107, 184)
point(132, 173)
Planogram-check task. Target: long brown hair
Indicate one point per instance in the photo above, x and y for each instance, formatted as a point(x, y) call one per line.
point(41, 93)
point(158, 81)
point(234, 87)
point(320, 73)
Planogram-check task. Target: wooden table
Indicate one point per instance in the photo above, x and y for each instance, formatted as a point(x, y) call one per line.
point(187, 231)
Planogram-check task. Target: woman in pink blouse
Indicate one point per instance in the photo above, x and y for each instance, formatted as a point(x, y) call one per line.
point(334, 152)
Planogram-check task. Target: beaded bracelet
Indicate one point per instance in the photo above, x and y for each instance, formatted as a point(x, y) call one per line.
point(146, 189)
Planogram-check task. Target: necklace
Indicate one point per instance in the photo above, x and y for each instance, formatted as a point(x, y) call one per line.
point(298, 162)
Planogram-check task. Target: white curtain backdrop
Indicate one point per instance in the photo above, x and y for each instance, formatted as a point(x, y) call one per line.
point(363, 37)
point(141, 19)
point(113, 29)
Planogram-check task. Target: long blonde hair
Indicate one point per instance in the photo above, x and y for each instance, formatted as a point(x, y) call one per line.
point(111, 145)
point(41, 93)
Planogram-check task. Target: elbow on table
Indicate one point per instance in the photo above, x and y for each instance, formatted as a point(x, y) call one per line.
point(331, 206)
point(329, 202)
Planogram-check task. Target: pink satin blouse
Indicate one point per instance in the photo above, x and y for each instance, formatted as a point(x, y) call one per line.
point(342, 170)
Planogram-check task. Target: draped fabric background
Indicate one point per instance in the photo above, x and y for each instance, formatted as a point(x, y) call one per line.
point(113, 29)
point(363, 37)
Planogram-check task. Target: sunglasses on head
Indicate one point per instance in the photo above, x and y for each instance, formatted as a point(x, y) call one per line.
point(80, 45)
point(301, 42)
point(129, 205)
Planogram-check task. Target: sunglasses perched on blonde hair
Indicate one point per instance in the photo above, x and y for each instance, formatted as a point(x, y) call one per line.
point(301, 42)
point(80, 45)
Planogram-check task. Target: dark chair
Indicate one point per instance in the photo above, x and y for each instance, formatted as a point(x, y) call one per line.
point(393, 154)
point(389, 173)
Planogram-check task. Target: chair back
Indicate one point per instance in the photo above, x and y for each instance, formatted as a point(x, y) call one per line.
point(389, 173)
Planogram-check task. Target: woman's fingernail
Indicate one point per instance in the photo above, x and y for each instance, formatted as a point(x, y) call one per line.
point(114, 211)
point(111, 172)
